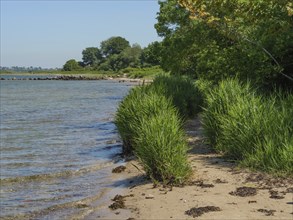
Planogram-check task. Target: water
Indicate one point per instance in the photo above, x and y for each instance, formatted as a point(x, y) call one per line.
point(58, 141)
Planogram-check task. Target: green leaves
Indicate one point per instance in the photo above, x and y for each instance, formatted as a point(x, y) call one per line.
point(71, 65)
point(215, 39)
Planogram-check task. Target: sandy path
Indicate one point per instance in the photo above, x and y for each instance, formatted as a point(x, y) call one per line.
point(214, 184)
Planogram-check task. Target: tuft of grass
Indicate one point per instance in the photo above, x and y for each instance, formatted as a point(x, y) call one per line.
point(217, 102)
point(140, 103)
point(184, 94)
point(253, 129)
point(150, 126)
point(162, 149)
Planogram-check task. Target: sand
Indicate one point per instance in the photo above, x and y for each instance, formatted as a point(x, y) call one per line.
point(219, 190)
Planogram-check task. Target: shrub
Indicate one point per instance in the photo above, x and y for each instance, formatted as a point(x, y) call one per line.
point(182, 91)
point(217, 102)
point(162, 148)
point(255, 129)
point(141, 103)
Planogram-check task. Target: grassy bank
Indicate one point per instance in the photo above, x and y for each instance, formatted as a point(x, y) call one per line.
point(133, 73)
point(150, 121)
point(254, 129)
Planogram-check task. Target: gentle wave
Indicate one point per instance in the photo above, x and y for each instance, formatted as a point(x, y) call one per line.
point(55, 208)
point(51, 176)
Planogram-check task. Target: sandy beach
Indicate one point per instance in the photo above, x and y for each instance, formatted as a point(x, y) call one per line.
point(218, 190)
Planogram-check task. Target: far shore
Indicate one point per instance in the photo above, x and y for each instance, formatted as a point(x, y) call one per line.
point(43, 76)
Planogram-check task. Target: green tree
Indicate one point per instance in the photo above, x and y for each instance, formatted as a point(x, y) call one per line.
point(91, 56)
point(152, 54)
point(216, 39)
point(130, 56)
point(114, 45)
point(71, 65)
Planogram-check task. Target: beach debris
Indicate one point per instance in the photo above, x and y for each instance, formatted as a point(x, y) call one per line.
point(244, 191)
point(196, 212)
point(119, 202)
point(252, 201)
point(117, 205)
point(220, 181)
point(275, 195)
point(150, 196)
point(289, 190)
point(201, 184)
point(81, 205)
point(267, 212)
point(119, 169)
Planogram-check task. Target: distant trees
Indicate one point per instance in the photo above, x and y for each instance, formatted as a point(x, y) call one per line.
point(114, 45)
point(91, 56)
point(71, 65)
point(152, 54)
point(115, 54)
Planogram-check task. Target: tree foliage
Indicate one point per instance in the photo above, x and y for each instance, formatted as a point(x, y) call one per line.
point(114, 45)
point(151, 55)
point(91, 56)
point(115, 54)
point(71, 65)
point(220, 38)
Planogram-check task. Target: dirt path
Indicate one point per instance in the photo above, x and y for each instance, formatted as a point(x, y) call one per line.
point(218, 190)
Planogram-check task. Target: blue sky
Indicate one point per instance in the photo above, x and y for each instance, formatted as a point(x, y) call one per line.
point(48, 33)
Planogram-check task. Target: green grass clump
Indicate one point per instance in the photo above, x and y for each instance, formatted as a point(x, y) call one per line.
point(150, 126)
point(217, 102)
point(253, 129)
point(162, 149)
point(182, 91)
point(138, 105)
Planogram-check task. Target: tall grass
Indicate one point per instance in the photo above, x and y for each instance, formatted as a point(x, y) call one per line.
point(217, 102)
point(182, 91)
point(246, 126)
point(162, 148)
point(141, 103)
point(150, 126)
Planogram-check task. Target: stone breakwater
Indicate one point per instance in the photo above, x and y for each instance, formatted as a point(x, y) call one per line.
point(63, 77)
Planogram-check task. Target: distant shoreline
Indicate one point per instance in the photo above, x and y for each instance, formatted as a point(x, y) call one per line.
point(71, 78)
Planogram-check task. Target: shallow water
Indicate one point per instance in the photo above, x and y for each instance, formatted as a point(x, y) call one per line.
point(57, 140)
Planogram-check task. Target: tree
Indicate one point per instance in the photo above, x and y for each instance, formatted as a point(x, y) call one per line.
point(130, 56)
point(71, 65)
point(152, 54)
point(114, 45)
point(252, 39)
point(91, 56)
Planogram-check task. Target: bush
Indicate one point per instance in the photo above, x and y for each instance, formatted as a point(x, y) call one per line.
point(255, 129)
point(141, 103)
point(147, 72)
point(182, 91)
point(162, 149)
point(217, 102)
point(151, 128)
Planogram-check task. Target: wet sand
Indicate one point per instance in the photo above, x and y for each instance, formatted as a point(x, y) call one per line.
point(218, 190)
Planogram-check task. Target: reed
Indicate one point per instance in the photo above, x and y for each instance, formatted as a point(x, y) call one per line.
point(254, 129)
point(161, 147)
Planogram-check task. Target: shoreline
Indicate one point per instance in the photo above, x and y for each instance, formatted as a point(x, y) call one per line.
point(218, 189)
point(74, 78)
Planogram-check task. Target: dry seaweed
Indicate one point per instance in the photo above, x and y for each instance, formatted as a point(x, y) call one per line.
point(244, 191)
point(195, 212)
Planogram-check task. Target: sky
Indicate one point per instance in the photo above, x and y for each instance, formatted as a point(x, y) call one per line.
point(46, 34)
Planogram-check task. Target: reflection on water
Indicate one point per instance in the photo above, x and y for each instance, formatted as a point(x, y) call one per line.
point(57, 142)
